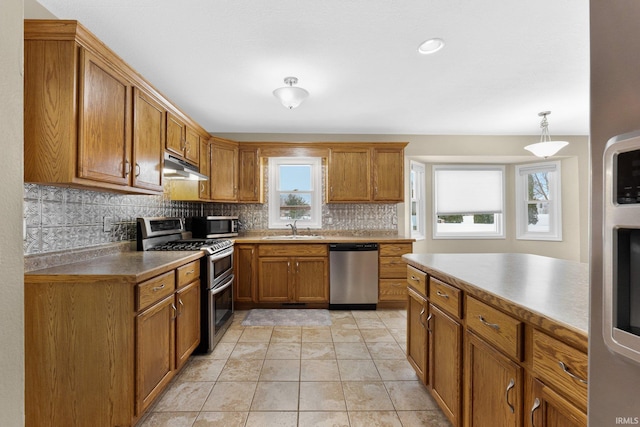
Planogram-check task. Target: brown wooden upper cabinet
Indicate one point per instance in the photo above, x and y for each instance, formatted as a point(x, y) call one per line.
point(224, 170)
point(182, 140)
point(366, 173)
point(90, 120)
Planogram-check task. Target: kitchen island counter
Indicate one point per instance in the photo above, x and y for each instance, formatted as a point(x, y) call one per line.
point(550, 293)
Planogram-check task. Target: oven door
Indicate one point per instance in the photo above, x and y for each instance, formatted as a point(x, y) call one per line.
point(220, 267)
point(220, 311)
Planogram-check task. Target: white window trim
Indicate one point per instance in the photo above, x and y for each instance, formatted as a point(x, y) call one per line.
point(555, 204)
point(421, 232)
point(499, 217)
point(316, 191)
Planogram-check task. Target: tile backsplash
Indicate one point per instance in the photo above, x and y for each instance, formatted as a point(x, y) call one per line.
point(59, 218)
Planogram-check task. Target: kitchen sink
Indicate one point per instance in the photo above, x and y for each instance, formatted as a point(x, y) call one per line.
point(292, 237)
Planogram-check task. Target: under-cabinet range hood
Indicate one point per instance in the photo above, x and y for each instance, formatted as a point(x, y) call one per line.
point(175, 168)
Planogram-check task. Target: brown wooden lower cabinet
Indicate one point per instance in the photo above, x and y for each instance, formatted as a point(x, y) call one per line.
point(100, 349)
point(493, 386)
point(417, 339)
point(155, 351)
point(546, 408)
point(445, 362)
point(293, 279)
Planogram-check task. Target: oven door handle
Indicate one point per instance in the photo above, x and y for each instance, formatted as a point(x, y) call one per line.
point(220, 255)
point(221, 288)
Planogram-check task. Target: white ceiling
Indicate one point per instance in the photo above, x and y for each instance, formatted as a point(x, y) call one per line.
point(219, 60)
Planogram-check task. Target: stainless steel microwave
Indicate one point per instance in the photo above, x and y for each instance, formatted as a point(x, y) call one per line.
point(210, 227)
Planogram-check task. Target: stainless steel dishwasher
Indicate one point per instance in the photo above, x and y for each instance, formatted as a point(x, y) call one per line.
point(353, 276)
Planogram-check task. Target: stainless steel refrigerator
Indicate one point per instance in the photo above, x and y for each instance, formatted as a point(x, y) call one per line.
point(614, 332)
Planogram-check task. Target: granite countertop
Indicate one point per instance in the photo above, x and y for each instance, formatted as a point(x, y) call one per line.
point(540, 287)
point(135, 266)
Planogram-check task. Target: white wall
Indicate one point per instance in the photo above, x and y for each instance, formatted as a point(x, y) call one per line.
point(430, 149)
point(11, 259)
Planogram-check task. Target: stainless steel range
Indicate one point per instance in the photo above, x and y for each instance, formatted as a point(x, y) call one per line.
point(216, 272)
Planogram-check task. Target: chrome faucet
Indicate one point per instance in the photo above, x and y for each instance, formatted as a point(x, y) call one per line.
point(294, 228)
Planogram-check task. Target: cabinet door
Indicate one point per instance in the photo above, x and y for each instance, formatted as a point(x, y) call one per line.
point(388, 175)
point(204, 187)
point(187, 321)
point(175, 135)
point(349, 175)
point(445, 358)
point(155, 351)
point(273, 279)
point(104, 140)
point(249, 176)
point(148, 141)
point(311, 279)
point(493, 386)
point(548, 409)
point(224, 172)
point(417, 334)
point(192, 146)
point(245, 273)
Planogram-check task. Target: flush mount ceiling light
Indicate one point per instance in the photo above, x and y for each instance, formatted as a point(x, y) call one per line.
point(289, 95)
point(546, 147)
point(430, 46)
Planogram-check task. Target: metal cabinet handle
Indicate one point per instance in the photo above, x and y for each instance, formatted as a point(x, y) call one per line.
point(127, 168)
point(428, 321)
point(491, 325)
point(443, 295)
point(572, 375)
point(415, 278)
point(536, 405)
point(181, 306)
point(137, 170)
point(190, 272)
point(157, 288)
point(202, 187)
point(512, 384)
point(175, 310)
point(424, 326)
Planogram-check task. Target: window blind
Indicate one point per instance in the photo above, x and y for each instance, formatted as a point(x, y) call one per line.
point(467, 190)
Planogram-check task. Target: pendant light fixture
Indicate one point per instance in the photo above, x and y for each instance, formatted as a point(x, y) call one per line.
point(546, 147)
point(289, 95)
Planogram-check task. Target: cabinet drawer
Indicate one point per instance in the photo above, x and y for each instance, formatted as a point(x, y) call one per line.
point(155, 289)
point(498, 328)
point(417, 280)
point(393, 290)
point(560, 366)
point(394, 249)
point(391, 267)
point(188, 273)
point(445, 296)
point(284, 249)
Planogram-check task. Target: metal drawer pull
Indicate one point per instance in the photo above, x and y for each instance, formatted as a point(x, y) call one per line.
point(443, 295)
point(512, 384)
point(190, 272)
point(157, 288)
point(536, 405)
point(428, 321)
point(491, 325)
point(415, 278)
point(574, 376)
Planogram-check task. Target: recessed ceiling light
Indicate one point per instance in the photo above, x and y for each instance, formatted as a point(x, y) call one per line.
point(430, 46)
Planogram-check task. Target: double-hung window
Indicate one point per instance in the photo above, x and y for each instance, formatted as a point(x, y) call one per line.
point(295, 191)
point(468, 201)
point(538, 204)
point(417, 187)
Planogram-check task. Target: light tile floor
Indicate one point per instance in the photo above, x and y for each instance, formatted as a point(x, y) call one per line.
point(354, 373)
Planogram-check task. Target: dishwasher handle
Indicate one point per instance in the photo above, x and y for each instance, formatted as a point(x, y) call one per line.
point(352, 247)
